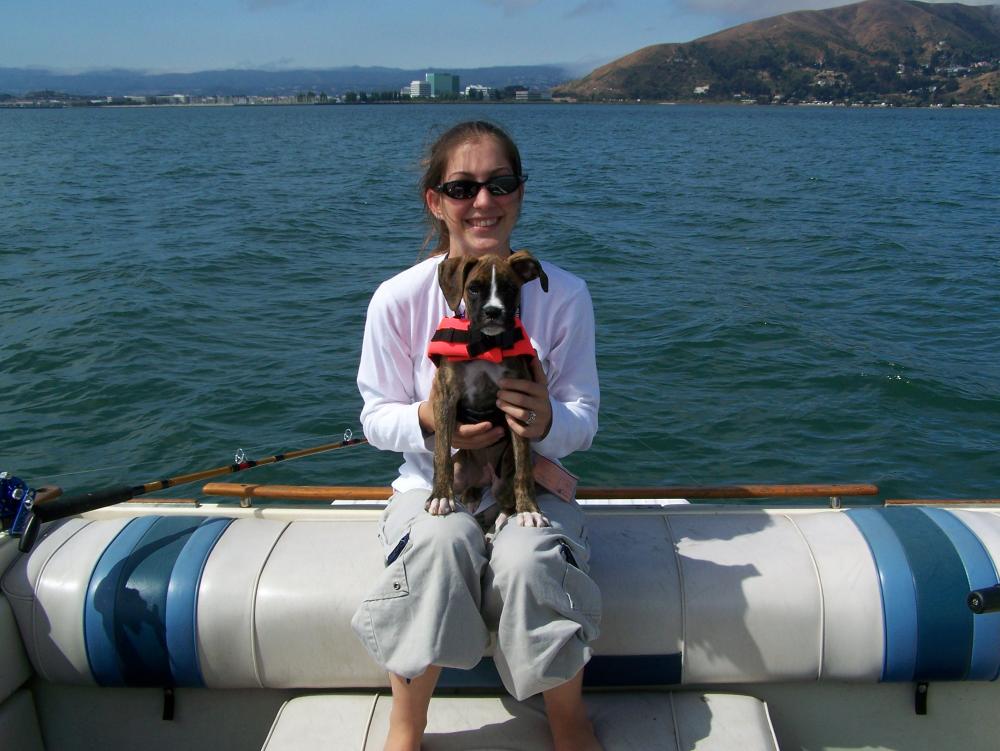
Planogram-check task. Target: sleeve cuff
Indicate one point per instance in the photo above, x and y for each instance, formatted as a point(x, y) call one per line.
point(409, 434)
point(551, 446)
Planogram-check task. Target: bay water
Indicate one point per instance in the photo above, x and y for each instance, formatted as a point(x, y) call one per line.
point(782, 294)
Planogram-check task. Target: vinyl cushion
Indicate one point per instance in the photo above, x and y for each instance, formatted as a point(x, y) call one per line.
point(691, 596)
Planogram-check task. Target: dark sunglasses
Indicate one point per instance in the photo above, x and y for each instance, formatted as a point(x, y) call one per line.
point(463, 190)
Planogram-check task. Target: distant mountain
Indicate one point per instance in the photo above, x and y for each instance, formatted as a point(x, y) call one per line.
point(897, 50)
point(118, 82)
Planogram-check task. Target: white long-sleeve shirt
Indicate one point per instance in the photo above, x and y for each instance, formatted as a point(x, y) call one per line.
point(395, 373)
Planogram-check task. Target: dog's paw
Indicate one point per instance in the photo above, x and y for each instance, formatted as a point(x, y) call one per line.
point(440, 506)
point(532, 519)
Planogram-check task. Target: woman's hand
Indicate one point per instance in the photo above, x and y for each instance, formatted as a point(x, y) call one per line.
point(526, 403)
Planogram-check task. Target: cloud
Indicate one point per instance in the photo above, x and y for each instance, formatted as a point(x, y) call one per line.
point(582, 8)
point(510, 7)
point(757, 8)
point(765, 8)
point(590, 6)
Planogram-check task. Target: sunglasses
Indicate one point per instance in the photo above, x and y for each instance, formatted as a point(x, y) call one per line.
point(463, 190)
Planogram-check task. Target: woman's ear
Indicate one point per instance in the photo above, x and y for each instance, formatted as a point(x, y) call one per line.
point(433, 200)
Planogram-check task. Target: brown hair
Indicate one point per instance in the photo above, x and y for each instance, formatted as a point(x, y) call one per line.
point(436, 162)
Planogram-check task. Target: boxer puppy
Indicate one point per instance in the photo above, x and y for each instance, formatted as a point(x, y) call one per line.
point(471, 355)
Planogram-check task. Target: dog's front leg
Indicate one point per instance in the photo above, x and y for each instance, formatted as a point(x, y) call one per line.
point(528, 513)
point(442, 497)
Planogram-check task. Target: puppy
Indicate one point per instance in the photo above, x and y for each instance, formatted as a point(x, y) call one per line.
point(471, 356)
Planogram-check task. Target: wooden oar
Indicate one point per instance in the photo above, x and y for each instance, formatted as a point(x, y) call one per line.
point(72, 505)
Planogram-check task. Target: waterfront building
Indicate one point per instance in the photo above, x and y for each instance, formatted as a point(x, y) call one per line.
point(419, 89)
point(531, 96)
point(442, 84)
point(478, 91)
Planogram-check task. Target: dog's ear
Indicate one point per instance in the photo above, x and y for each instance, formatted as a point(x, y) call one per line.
point(452, 274)
point(527, 267)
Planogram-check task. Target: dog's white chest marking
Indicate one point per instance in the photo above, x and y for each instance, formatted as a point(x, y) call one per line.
point(475, 373)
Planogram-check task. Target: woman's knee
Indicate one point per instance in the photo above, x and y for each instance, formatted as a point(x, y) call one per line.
point(524, 554)
point(456, 537)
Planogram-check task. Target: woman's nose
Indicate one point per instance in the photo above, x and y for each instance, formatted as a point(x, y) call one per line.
point(483, 197)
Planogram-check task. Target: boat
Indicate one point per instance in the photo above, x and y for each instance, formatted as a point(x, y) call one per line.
point(737, 622)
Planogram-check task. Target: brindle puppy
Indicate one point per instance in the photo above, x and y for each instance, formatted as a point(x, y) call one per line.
point(467, 390)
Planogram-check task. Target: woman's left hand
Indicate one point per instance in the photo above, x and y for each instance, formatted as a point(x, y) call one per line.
point(520, 398)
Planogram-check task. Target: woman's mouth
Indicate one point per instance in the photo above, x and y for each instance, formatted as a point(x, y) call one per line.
point(483, 223)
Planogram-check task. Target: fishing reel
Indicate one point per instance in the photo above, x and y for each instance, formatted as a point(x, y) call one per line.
point(16, 500)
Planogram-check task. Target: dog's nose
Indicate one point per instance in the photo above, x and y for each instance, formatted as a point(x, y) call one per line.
point(492, 311)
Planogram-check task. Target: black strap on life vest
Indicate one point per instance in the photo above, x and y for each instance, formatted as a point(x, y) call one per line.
point(479, 342)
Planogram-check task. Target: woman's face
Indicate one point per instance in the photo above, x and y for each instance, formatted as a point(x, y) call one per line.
point(482, 225)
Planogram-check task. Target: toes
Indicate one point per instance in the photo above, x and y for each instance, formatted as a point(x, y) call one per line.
point(532, 519)
point(440, 506)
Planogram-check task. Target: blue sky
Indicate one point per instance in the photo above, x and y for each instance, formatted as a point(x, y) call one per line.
point(189, 35)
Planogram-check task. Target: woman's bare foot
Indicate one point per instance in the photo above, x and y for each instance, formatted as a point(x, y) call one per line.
point(408, 716)
point(571, 728)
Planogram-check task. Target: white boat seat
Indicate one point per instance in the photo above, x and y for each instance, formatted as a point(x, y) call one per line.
point(627, 721)
point(691, 597)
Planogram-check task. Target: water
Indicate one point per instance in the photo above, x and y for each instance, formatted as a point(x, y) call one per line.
point(782, 294)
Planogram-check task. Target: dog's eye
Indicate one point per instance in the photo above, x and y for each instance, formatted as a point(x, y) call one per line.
point(474, 290)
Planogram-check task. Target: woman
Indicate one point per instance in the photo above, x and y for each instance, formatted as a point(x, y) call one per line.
point(445, 586)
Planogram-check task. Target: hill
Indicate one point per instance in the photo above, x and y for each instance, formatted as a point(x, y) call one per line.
point(19, 81)
point(900, 51)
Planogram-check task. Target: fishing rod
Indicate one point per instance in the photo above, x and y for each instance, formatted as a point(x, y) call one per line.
point(60, 508)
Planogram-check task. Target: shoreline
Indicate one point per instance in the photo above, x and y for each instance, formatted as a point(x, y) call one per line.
point(54, 105)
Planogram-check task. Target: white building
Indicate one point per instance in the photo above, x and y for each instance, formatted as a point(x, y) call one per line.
point(419, 89)
point(478, 91)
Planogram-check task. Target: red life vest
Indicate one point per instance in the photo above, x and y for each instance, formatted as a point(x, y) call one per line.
point(453, 341)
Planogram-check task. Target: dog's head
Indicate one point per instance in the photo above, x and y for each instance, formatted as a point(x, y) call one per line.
point(490, 287)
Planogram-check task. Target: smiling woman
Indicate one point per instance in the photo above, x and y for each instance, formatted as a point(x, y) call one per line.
point(459, 588)
point(466, 219)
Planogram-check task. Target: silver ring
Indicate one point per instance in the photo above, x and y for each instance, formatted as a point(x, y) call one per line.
point(531, 417)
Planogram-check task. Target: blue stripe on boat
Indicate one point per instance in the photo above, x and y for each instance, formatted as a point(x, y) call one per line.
point(126, 602)
point(899, 605)
point(980, 572)
point(99, 608)
point(944, 621)
point(633, 670)
point(602, 670)
point(181, 617)
point(937, 644)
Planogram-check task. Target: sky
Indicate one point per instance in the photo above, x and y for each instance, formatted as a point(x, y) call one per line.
point(192, 35)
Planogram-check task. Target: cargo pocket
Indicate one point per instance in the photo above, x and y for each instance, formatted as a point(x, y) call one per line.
point(377, 619)
point(581, 591)
point(392, 582)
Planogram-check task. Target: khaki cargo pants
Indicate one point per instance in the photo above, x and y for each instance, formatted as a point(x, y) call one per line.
point(446, 587)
